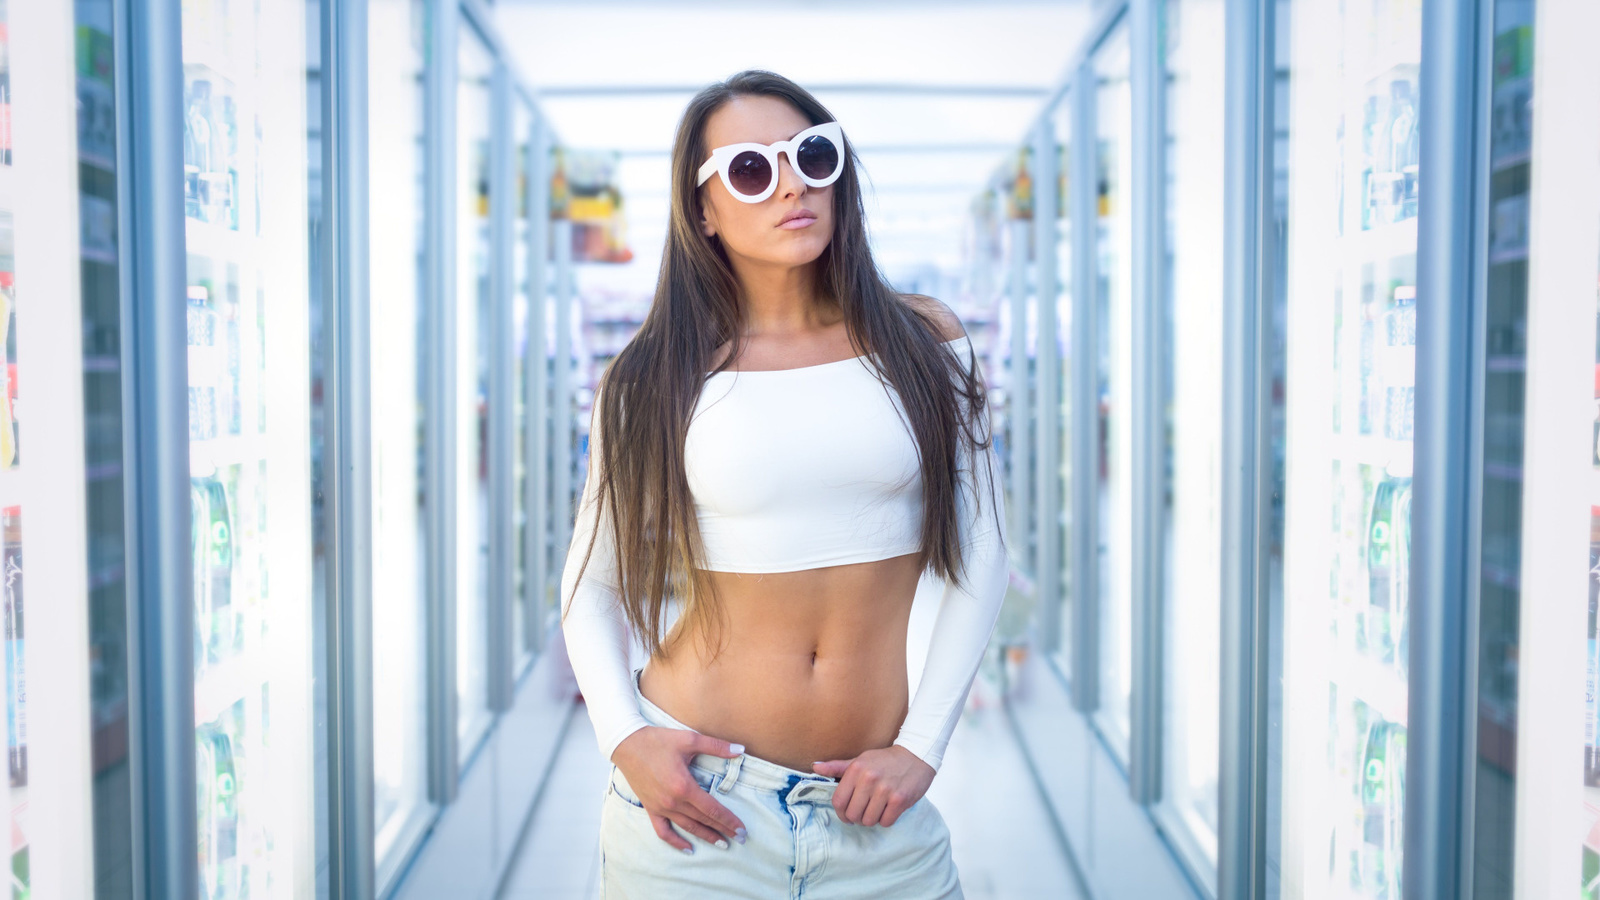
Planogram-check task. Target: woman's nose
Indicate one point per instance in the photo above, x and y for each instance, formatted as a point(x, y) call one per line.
point(789, 181)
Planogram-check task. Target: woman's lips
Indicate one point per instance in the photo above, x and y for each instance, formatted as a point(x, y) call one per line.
point(798, 222)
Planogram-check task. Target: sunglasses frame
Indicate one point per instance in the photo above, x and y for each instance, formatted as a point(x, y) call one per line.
point(722, 157)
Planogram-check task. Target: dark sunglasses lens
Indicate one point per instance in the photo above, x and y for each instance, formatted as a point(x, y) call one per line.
point(749, 173)
point(818, 157)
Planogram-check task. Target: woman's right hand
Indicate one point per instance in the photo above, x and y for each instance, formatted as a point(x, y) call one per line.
point(655, 760)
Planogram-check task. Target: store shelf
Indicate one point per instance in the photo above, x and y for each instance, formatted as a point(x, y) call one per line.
point(103, 471)
point(212, 240)
point(1371, 450)
point(199, 53)
point(1502, 471)
point(1511, 161)
point(100, 255)
point(1385, 241)
point(206, 457)
point(223, 684)
point(1378, 685)
point(1386, 65)
point(97, 160)
point(1515, 254)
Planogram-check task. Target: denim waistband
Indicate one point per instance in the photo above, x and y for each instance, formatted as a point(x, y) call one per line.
point(744, 768)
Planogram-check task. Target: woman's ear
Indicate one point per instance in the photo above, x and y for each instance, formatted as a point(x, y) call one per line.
point(708, 225)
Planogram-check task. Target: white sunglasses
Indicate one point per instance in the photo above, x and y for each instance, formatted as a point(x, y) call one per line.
point(750, 171)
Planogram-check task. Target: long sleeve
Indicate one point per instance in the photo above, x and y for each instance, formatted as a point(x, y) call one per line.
point(593, 621)
point(967, 617)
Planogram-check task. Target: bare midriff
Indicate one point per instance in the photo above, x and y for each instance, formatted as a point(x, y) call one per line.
point(813, 663)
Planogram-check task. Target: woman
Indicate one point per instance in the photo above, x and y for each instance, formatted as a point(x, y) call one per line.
point(786, 445)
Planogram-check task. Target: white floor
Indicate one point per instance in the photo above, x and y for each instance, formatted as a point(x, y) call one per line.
point(999, 829)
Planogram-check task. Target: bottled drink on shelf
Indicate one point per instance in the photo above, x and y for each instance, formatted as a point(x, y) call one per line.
point(1022, 187)
point(1389, 149)
point(16, 646)
point(227, 179)
point(1399, 364)
point(8, 316)
point(200, 570)
point(1372, 200)
point(1338, 177)
point(1389, 572)
point(219, 564)
point(1403, 148)
point(217, 788)
point(1591, 873)
point(197, 148)
point(260, 177)
point(201, 330)
point(229, 363)
point(1591, 704)
point(1383, 777)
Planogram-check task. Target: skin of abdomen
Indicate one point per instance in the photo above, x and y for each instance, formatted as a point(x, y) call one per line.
point(813, 664)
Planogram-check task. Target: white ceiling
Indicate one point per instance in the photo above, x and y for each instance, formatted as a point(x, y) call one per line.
point(932, 93)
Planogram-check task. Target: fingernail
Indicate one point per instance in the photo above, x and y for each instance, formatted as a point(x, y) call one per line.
point(688, 850)
point(722, 843)
point(737, 748)
point(739, 834)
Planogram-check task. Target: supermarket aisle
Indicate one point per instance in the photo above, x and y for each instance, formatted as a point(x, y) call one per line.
point(1003, 842)
point(559, 858)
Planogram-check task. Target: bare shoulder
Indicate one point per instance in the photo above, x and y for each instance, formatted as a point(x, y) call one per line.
point(950, 326)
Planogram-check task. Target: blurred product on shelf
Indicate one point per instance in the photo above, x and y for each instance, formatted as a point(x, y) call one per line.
point(5, 89)
point(583, 189)
point(16, 696)
point(560, 196)
point(1019, 186)
point(8, 373)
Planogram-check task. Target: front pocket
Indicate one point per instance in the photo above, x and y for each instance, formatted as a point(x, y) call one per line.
point(706, 780)
point(619, 787)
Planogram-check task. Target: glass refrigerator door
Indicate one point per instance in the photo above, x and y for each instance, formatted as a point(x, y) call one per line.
point(522, 624)
point(554, 511)
point(44, 551)
point(400, 501)
point(245, 205)
point(1591, 712)
point(1352, 163)
point(1501, 514)
point(1061, 121)
point(1191, 346)
point(994, 237)
point(1114, 343)
point(473, 322)
point(103, 432)
point(16, 806)
point(1008, 397)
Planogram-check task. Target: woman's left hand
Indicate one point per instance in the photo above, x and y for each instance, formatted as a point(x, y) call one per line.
point(877, 786)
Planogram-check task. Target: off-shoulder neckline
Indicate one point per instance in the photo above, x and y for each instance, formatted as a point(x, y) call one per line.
point(816, 366)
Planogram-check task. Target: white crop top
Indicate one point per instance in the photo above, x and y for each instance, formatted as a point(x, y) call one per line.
point(796, 469)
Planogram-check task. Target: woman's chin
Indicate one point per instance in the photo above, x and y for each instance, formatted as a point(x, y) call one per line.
point(797, 252)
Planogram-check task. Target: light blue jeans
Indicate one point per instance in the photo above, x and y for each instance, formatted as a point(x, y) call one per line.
point(796, 846)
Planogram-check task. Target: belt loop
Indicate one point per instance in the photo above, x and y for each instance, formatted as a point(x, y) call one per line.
point(730, 773)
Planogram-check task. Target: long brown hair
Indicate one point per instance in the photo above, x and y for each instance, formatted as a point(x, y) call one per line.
point(646, 397)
